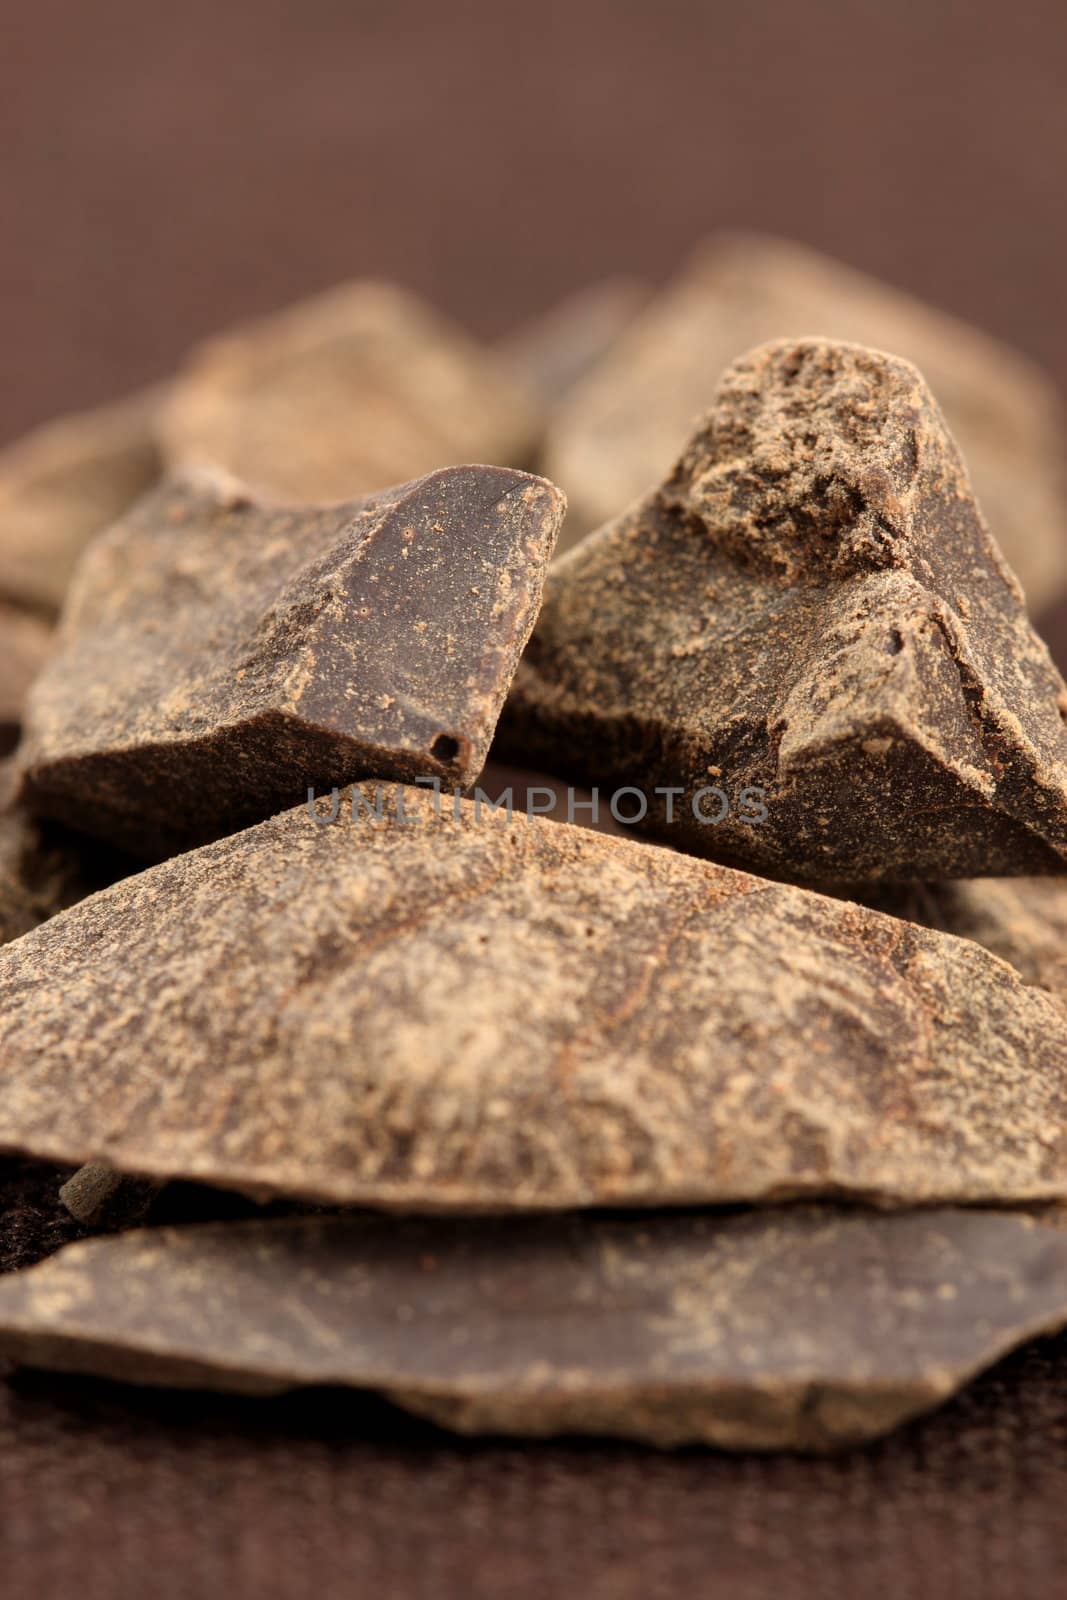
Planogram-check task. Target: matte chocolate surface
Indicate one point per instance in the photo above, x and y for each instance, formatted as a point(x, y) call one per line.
point(810, 609)
point(361, 387)
point(219, 656)
point(436, 1014)
point(619, 434)
point(63, 483)
point(800, 1329)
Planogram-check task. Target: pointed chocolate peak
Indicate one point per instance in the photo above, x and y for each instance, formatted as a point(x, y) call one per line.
point(811, 607)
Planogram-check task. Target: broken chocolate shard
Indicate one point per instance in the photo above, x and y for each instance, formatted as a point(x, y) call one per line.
point(801, 1329)
point(62, 484)
point(618, 434)
point(356, 389)
point(219, 656)
point(810, 610)
point(25, 642)
point(461, 1012)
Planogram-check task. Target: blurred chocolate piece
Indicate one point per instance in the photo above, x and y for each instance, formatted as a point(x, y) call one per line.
point(619, 433)
point(97, 1197)
point(458, 1011)
point(24, 645)
point(551, 354)
point(798, 1329)
point(810, 618)
point(218, 656)
point(359, 388)
point(62, 484)
point(1021, 920)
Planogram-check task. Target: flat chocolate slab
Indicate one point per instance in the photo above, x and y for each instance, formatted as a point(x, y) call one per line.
point(795, 1329)
point(619, 433)
point(218, 656)
point(63, 483)
point(341, 395)
point(426, 1013)
point(810, 609)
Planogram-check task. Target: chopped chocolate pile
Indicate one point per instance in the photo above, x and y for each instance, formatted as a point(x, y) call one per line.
point(278, 934)
point(218, 656)
point(338, 396)
point(618, 434)
point(810, 619)
point(787, 1329)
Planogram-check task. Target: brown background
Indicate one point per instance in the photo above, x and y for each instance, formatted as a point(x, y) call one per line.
point(164, 170)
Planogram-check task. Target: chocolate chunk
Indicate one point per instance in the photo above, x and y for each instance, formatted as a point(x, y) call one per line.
point(356, 389)
point(97, 1197)
point(619, 434)
point(1021, 920)
point(219, 656)
point(62, 484)
point(551, 354)
point(808, 618)
point(419, 1011)
point(798, 1329)
point(24, 645)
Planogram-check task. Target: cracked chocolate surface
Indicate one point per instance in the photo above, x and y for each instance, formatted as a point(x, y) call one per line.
point(811, 607)
point(437, 1014)
point(218, 656)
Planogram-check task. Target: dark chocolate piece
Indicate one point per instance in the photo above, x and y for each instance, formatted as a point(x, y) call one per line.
point(619, 433)
point(798, 1329)
point(344, 394)
point(218, 656)
point(25, 642)
point(63, 483)
point(809, 616)
point(416, 1011)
